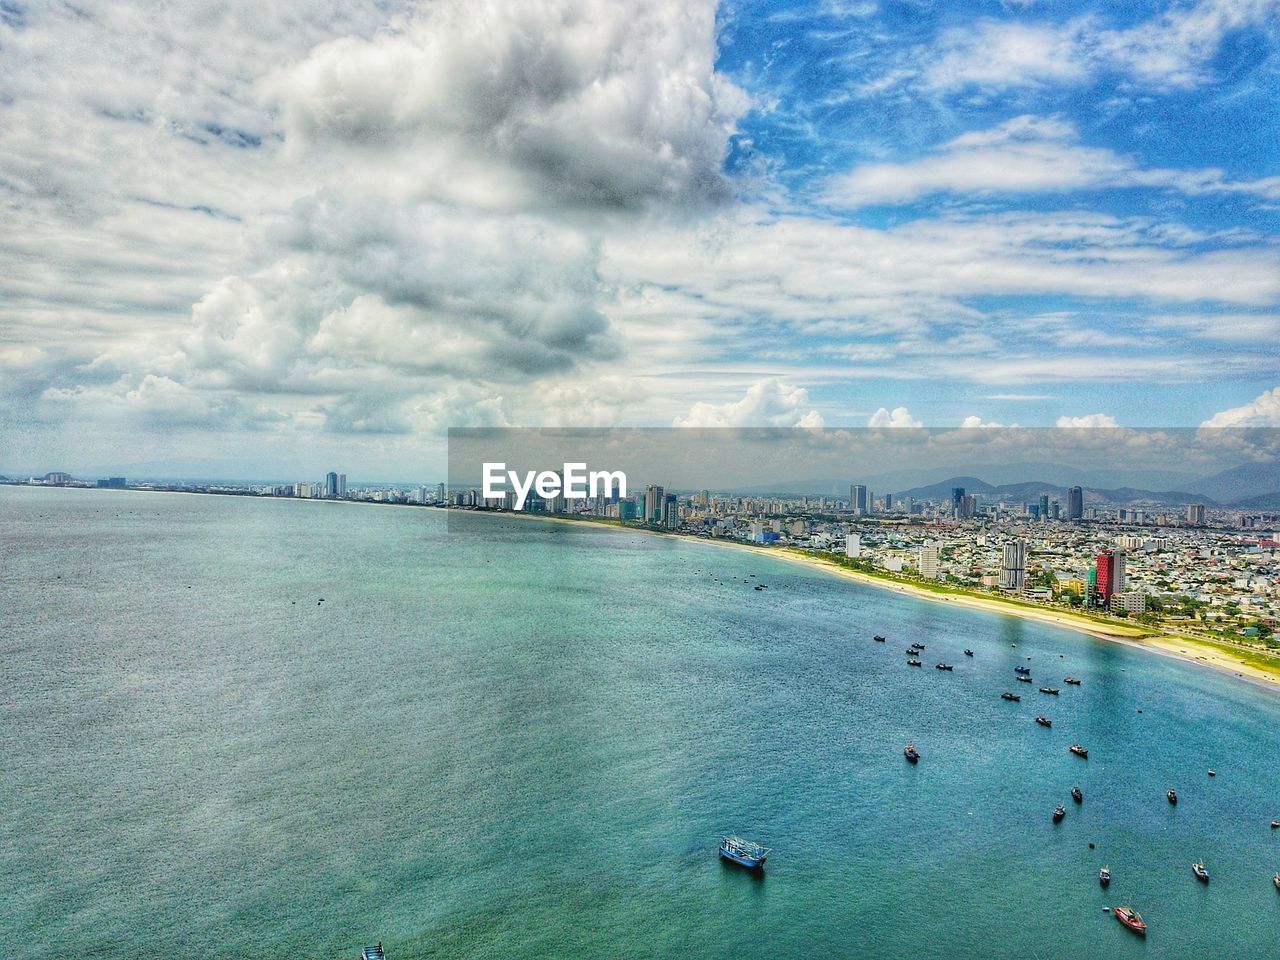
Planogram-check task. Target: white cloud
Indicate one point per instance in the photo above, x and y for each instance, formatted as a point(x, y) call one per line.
point(1027, 154)
point(1262, 411)
point(1172, 50)
point(897, 417)
point(604, 103)
point(767, 403)
point(977, 423)
point(1088, 421)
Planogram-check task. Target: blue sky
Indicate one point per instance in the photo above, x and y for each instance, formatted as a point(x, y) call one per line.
point(293, 238)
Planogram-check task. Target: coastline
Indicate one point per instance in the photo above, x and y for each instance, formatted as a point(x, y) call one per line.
point(1214, 656)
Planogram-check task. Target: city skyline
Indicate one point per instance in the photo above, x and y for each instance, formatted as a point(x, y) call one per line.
point(364, 225)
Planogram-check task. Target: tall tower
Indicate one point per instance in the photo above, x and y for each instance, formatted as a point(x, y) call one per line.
point(858, 498)
point(1075, 503)
point(331, 486)
point(1013, 566)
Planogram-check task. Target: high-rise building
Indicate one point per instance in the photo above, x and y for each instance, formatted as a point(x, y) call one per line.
point(888, 502)
point(1110, 576)
point(653, 503)
point(342, 486)
point(929, 560)
point(331, 486)
point(1043, 512)
point(1075, 503)
point(858, 498)
point(1013, 566)
point(670, 512)
point(853, 545)
point(1195, 513)
point(957, 502)
point(440, 493)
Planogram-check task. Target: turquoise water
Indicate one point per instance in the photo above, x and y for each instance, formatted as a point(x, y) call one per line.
point(524, 739)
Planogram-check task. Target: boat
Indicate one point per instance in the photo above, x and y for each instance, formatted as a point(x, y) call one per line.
point(759, 586)
point(1276, 880)
point(1079, 751)
point(1052, 690)
point(878, 639)
point(1077, 795)
point(1275, 824)
point(743, 852)
point(1025, 679)
point(918, 646)
point(1201, 872)
point(913, 663)
point(1010, 696)
point(1044, 721)
point(1104, 876)
point(373, 953)
point(1059, 813)
point(1172, 794)
point(1071, 680)
point(1131, 919)
point(943, 666)
point(1023, 670)
point(911, 753)
point(1213, 773)
point(968, 653)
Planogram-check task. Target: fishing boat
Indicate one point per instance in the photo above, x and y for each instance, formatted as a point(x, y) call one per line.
point(878, 639)
point(943, 666)
point(913, 663)
point(919, 646)
point(1079, 751)
point(1131, 919)
point(1044, 721)
point(1201, 872)
point(911, 753)
point(1071, 680)
point(1275, 824)
point(1213, 773)
point(1276, 880)
point(1077, 795)
point(743, 852)
point(1023, 670)
point(1173, 796)
point(1104, 876)
point(1025, 679)
point(1059, 813)
point(968, 653)
point(373, 953)
point(1051, 690)
point(1010, 696)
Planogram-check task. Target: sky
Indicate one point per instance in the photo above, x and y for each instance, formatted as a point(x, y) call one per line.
point(289, 237)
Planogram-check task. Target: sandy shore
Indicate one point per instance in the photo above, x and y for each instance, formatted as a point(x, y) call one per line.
point(1203, 652)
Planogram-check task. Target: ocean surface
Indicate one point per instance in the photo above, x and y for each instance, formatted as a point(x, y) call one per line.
point(505, 738)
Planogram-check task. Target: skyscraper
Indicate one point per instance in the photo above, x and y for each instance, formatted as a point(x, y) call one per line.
point(858, 498)
point(1195, 513)
point(958, 503)
point(1044, 507)
point(1013, 566)
point(1075, 503)
point(1110, 575)
point(929, 560)
point(342, 486)
point(653, 503)
point(331, 486)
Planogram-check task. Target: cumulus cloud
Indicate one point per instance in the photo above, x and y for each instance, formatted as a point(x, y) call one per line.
point(897, 417)
point(1026, 154)
point(767, 403)
point(598, 102)
point(976, 423)
point(1262, 411)
point(1088, 421)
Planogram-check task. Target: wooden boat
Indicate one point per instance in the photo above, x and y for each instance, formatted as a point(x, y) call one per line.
point(943, 666)
point(1172, 794)
point(1077, 795)
point(1104, 876)
point(1026, 680)
point(968, 653)
point(911, 753)
point(1044, 721)
point(1051, 690)
point(1010, 696)
point(913, 663)
point(1022, 670)
point(1059, 813)
point(1131, 919)
point(1071, 680)
point(743, 852)
point(1201, 872)
point(373, 953)
point(1275, 824)
point(878, 639)
point(1079, 751)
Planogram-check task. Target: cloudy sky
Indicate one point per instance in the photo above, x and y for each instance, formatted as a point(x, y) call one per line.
point(288, 236)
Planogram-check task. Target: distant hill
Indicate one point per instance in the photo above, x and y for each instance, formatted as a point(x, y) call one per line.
point(1031, 490)
point(1238, 483)
point(942, 489)
point(1263, 501)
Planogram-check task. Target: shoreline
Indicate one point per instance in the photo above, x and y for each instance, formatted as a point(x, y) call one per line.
point(1203, 653)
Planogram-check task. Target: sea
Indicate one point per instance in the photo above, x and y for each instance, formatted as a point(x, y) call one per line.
point(248, 727)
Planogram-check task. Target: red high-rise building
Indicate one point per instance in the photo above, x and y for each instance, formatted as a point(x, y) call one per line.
point(1110, 575)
